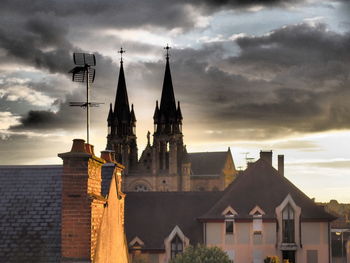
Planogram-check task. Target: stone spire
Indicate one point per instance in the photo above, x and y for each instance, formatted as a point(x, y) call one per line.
point(167, 102)
point(122, 125)
point(121, 105)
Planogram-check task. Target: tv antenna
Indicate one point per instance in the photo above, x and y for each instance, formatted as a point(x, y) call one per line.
point(84, 72)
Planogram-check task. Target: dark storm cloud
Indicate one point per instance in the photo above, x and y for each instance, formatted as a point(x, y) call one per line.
point(66, 118)
point(37, 41)
point(40, 120)
point(292, 80)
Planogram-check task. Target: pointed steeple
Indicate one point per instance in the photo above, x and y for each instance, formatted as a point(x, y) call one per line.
point(122, 125)
point(132, 113)
point(156, 113)
point(110, 115)
point(121, 105)
point(178, 112)
point(167, 102)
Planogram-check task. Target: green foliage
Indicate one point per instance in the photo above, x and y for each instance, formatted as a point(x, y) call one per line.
point(202, 254)
point(271, 259)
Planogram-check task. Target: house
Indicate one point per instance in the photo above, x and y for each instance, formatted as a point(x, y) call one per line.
point(259, 214)
point(57, 213)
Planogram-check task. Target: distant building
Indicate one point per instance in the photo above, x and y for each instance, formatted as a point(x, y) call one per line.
point(340, 229)
point(165, 164)
point(260, 214)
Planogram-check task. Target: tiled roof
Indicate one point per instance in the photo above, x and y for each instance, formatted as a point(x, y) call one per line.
point(152, 216)
point(262, 185)
point(30, 217)
point(207, 163)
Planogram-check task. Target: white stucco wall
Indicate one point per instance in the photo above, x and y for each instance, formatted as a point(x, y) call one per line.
point(314, 236)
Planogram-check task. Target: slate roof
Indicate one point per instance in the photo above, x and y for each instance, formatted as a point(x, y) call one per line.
point(207, 163)
point(152, 216)
point(262, 185)
point(30, 217)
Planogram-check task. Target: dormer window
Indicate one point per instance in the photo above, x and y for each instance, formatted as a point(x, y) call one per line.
point(229, 214)
point(176, 246)
point(288, 224)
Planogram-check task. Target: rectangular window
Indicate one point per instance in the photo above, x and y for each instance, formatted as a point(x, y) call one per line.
point(257, 224)
point(229, 227)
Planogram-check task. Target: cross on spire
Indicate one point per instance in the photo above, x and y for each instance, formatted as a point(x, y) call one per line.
point(121, 51)
point(167, 51)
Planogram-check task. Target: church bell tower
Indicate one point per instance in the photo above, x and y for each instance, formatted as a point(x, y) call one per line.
point(167, 138)
point(121, 136)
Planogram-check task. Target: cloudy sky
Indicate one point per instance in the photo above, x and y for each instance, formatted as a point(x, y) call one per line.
point(250, 75)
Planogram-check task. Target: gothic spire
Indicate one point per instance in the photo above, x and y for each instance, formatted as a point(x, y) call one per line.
point(132, 113)
point(110, 114)
point(167, 102)
point(156, 113)
point(179, 113)
point(121, 105)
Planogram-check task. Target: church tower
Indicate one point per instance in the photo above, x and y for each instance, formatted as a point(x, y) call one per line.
point(167, 138)
point(121, 136)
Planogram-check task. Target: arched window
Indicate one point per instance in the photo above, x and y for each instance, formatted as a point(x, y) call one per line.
point(176, 246)
point(288, 224)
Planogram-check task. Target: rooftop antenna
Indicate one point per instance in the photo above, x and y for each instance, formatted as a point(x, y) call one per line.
point(84, 72)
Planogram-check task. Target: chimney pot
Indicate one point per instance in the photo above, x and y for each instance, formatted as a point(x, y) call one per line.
point(89, 148)
point(78, 146)
point(267, 156)
point(107, 156)
point(281, 164)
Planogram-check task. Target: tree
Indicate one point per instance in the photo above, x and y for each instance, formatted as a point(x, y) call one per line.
point(202, 254)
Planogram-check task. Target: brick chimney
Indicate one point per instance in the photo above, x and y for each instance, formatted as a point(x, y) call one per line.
point(281, 164)
point(81, 206)
point(267, 156)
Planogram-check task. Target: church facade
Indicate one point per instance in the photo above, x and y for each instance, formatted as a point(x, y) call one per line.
point(165, 164)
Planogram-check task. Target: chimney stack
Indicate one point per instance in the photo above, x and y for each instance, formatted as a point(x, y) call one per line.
point(267, 156)
point(81, 211)
point(281, 164)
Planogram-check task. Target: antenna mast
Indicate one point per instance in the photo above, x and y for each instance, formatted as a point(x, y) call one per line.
point(84, 72)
